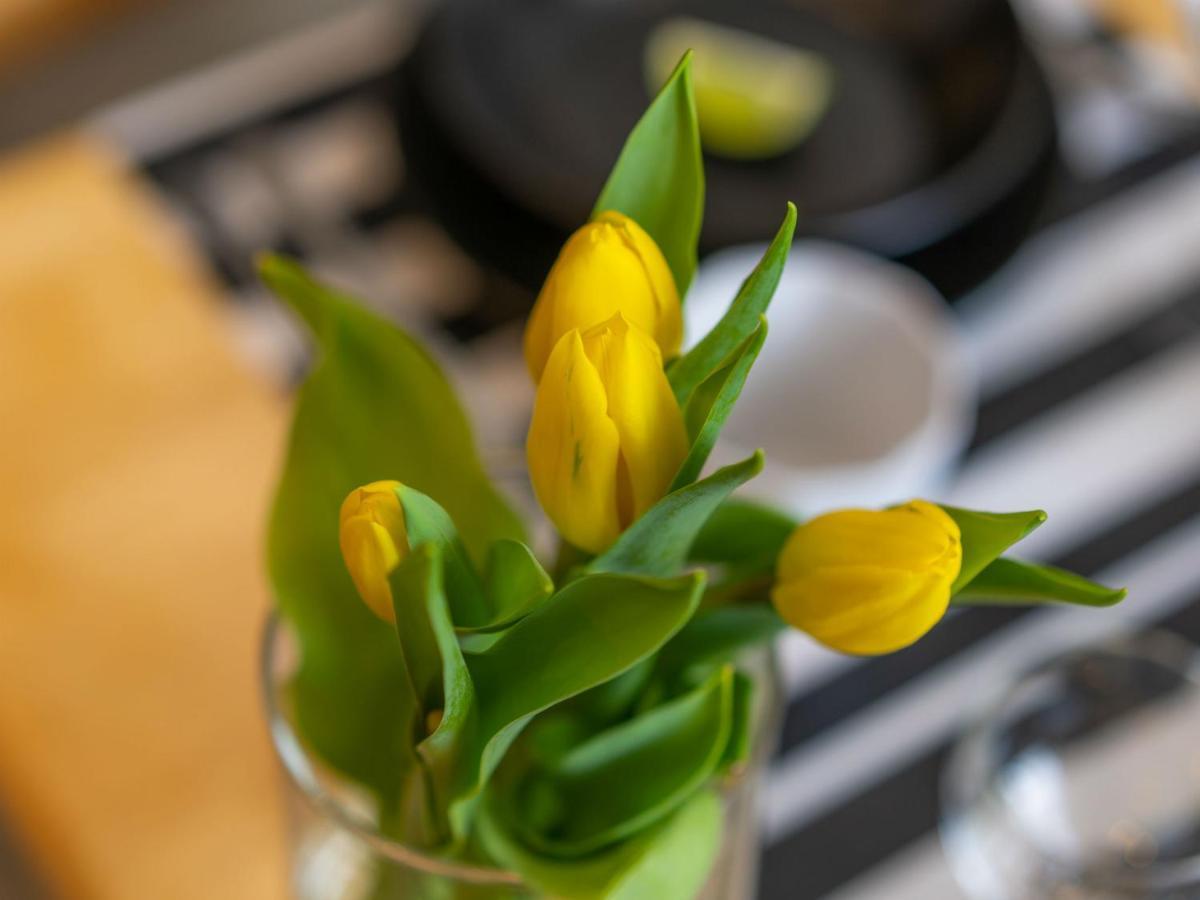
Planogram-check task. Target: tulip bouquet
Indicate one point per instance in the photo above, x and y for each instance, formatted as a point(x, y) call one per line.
point(575, 723)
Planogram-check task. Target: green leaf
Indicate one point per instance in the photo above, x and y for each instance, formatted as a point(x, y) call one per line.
point(712, 402)
point(658, 542)
point(658, 180)
point(425, 522)
point(717, 636)
point(623, 780)
point(667, 862)
point(1010, 582)
point(442, 685)
point(744, 533)
point(514, 581)
point(740, 320)
point(741, 733)
point(608, 702)
point(375, 407)
point(418, 599)
point(987, 535)
point(591, 631)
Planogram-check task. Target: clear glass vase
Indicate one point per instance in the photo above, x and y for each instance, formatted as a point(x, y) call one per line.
point(1082, 781)
point(339, 854)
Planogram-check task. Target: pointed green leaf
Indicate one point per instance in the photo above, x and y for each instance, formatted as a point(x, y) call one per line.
point(740, 320)
point(986, 535)
point(374, 407)
point(1010, 582)
point(621, 781)
point(667, 862)
point(658, 180)
point(712, 402)
point(658, 542)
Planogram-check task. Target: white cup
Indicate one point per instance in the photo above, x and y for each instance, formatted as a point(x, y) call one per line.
point(861, 395)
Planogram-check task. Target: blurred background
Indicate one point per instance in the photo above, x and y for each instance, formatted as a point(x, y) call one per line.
point(995, 302)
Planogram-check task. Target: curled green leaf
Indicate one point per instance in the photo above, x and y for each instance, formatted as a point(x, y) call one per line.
point(591, 631)
point(669, 861)
point(621, 781)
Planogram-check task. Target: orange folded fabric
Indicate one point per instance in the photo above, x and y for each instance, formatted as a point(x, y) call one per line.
point(137, 455)
point(31, 28)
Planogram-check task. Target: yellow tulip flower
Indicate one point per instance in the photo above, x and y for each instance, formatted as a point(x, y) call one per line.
point(609, 265)
point(607, 436)
point(869, 582)
point(373, 541)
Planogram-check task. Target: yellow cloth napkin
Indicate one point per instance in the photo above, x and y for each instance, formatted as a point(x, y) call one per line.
point(136, 460)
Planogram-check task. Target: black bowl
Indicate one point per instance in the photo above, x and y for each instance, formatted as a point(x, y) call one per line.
point(935, 150)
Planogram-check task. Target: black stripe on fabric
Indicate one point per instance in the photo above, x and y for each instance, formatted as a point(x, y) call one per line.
point(882, 819)
point(869, 681)
point(1168, 326)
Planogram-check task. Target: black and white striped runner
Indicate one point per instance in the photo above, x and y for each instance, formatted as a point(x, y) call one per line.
point(1088, 349)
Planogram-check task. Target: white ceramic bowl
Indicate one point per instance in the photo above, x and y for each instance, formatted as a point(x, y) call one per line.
point(861, 395)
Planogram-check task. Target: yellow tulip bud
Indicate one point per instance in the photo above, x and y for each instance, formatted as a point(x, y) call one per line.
point(869, 582)
point(608, 266)
point(607, 436)
point(373, 541)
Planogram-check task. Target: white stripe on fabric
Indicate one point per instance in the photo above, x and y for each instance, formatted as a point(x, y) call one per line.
point(1089, 462)
point(1086, 279)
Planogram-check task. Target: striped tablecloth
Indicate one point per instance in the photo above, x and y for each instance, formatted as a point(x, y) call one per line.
point(1088, 353)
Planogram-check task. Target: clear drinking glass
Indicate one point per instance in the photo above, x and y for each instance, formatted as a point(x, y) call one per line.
point(1082, 781)
point(337, 852)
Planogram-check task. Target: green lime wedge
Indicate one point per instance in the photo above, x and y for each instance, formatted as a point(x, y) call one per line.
point(755, 97)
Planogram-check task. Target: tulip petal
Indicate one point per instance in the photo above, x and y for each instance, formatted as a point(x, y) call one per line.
point(370, 555)
point(649, 423)
point(573, 448)
point(869, 582)
point(668, 323)
point(373, 539)
point(864, 610)
point(917, 534)
point(604, 268)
